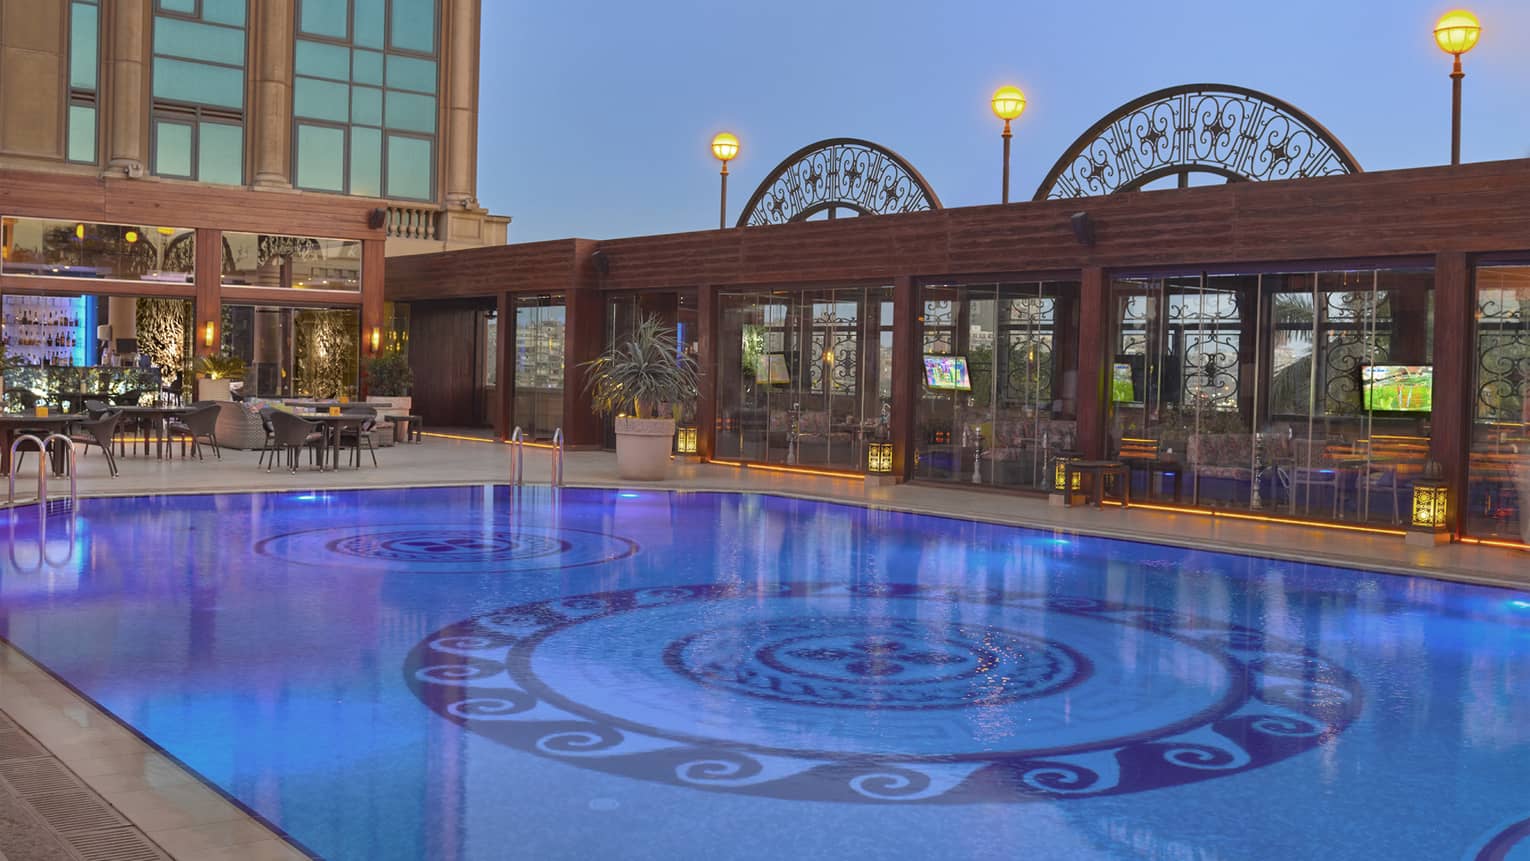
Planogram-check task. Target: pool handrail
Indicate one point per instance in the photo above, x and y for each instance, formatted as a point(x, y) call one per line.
point(517, 457)
point(557, 458)
point(42, 469)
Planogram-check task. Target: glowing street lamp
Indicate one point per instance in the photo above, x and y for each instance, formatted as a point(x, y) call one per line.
point(724, 147)
point(1008, 104)
point(1456, 33)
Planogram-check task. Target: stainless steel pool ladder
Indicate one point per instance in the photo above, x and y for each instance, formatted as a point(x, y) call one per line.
point(518, 457)
point(557, 458)
point(42, 469)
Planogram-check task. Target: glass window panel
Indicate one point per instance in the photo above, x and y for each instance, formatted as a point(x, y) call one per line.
point(320, 100)
point(408, 73)
point(322, 60)
point(38, 246)
point(84, 30)
point(220, 154)
point(224, 12)
point(310, 262)
point(172, 149)
point(184, 7)
point(198, 83)
point(367, 67)
point(323, 18)
point(82, 133)
point(366, 106)
point(367, 28)
point(366, 161)
point(409, 167)
point(411, 112)
point(192, 41)
point(413, 26)
point(320, 158)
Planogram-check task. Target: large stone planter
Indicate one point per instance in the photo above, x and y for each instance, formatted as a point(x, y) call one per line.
point(643, 447)
point(214, 390)
point(401, 404)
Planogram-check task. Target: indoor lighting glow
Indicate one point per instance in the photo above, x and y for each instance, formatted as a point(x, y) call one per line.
point(131, 236)
point(79, 231)
point(685, 439)
point(209, 333)
point(725, 147)
point(879, 457)
point(1457, 32)
point(376, 338)
point(1008, 103)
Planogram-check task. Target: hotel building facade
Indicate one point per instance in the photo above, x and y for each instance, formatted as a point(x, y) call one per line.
point(187, 177)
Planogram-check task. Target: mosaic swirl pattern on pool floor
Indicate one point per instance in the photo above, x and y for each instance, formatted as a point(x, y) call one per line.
point(881, 693)
point(446, 547)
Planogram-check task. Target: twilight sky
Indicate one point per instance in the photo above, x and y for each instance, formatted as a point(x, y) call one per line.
point(595, 116)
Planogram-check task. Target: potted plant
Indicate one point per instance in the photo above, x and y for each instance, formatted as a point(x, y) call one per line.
point(215, 373)
point(389, 380)
point(644, 380)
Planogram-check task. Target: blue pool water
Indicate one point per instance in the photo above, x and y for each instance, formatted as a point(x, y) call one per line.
point(467, 673)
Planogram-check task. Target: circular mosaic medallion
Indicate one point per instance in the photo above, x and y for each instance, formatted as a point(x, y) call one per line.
point(447, 547)
point(897, 664)
point(1508, 843)
point(881, 693)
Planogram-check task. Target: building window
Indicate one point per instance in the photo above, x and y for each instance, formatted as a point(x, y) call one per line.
point(365, 97)
point(198, 75)
point(84, 59)
point(300, 262)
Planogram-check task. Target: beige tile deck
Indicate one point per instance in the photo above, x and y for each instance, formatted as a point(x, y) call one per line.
point(190, 821)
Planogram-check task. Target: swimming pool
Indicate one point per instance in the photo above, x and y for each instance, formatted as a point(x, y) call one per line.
point(476, 673)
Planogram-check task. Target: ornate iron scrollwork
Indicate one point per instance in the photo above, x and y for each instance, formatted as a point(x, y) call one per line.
point(1503, 355)
point(1235, 132)
point(846, 173)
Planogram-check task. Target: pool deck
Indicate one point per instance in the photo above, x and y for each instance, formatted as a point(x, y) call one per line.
point(75, 784)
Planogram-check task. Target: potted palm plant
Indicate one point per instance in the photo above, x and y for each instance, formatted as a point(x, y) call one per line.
point(215, 374)
point(643, 379)
point(389, 380)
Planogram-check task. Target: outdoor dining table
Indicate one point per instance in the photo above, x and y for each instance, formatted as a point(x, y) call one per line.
point(147, 418)
point(332, 427)
point(10, 423)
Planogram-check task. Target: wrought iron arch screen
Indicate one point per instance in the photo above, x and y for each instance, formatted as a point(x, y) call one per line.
point(844, 173)
point(1239, 133)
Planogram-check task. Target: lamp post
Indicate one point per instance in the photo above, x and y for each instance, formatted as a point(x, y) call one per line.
point(1008, 103)
point(724, 147)
point(1456, 33)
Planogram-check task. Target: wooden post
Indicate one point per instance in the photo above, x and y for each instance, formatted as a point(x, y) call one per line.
point(1450, 419)
point(908, 341)
point(504, 367)
point(1094, 326)
point(208, 277)
point(706, 368)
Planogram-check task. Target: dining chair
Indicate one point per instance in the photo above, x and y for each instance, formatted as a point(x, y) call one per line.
point(99, 432)
point(199, 424)
point(292, 434)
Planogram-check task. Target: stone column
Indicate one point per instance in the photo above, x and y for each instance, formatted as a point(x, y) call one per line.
point(270, 120)
point(127, 39)
point(460, 135)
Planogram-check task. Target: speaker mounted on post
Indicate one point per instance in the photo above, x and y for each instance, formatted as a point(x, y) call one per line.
point(1083, 228)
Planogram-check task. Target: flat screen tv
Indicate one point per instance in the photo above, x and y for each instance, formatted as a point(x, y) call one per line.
point(770, 370)
point(1122, 387)
point(1397, 388)
point(947, 373)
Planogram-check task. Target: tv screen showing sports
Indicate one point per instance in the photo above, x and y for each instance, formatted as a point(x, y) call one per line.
point(1397, 388)
point(1122, 390)
point(770, 370)
point(947, 373)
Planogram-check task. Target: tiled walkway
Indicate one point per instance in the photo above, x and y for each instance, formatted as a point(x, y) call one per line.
point(51, 796)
